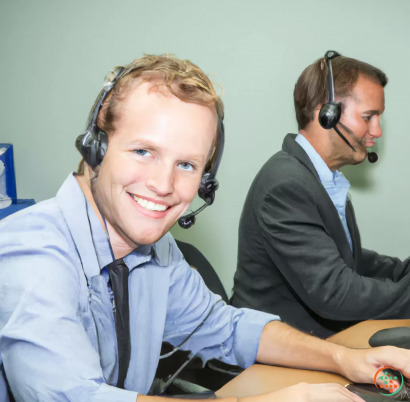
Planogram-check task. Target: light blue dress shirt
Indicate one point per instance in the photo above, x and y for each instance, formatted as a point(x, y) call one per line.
point(57, 333)
point(335, 183)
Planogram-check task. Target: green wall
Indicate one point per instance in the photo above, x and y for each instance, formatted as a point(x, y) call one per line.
point(55, 54)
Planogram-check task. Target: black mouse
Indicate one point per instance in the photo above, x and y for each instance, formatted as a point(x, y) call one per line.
point(399, 336)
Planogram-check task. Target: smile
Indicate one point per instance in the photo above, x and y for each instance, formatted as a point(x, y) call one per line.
point(151, 206)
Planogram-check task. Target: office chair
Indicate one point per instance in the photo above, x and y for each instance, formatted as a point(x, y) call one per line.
point(198, 261)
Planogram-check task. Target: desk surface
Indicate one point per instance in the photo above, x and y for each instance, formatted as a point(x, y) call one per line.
point(357, 337)
point(259, 379)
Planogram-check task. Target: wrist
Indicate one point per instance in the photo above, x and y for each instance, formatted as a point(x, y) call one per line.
point(341, 358)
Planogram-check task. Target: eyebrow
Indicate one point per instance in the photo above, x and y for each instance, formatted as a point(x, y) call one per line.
point(149, 146)
point(373, 112)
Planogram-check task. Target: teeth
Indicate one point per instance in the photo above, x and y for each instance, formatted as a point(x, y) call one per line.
point(149, 204)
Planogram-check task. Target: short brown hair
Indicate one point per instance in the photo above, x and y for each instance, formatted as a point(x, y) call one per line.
point(182, 78)
point(311, 88)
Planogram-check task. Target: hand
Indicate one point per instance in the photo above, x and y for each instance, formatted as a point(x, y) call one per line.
point(304, 392)
point(360, 366)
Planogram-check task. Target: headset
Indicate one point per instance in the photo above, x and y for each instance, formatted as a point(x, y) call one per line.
point(331, 112)
point(92, 145)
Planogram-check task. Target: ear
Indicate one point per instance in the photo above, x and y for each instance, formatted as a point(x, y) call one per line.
point(316, 114)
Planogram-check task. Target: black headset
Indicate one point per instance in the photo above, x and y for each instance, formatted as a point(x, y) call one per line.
point(331, 112)
point(92, 145)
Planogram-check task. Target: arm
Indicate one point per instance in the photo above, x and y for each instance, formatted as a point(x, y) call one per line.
point(376, 265)
point(236, 336)
point(228, 334)
point(285, 346)
point(45, 350)
point(297, 241)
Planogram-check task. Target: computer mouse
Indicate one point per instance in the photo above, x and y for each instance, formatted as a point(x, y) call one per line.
point(399, 336)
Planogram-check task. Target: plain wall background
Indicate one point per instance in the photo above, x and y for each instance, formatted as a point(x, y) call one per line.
point(55, 54)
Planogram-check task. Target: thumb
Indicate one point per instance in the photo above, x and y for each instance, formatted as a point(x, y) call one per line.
point(396, 358)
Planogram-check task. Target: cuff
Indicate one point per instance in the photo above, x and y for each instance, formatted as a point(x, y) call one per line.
point(248, 335)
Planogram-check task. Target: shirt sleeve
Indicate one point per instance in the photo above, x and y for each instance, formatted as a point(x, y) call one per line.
point(227, 333)
point(46, 353)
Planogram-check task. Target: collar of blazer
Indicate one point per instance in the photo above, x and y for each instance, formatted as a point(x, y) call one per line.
point(291, 147)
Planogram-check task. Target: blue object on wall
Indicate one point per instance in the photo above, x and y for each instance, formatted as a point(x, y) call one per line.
point(9, 204)
point(6, 157)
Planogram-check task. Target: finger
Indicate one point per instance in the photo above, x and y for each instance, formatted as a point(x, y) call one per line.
point(396, 358)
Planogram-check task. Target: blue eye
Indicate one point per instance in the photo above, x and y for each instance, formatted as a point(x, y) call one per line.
point(142, 152)
point(186, 166)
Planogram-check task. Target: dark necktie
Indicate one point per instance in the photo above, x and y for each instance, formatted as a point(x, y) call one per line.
point(119, 284)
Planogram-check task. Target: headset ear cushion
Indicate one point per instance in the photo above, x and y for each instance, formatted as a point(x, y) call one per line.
point(330, 114)
point(207, 190)
point(102, 146)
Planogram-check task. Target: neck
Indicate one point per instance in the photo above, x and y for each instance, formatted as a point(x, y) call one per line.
point(120, 247)
point(323, 145)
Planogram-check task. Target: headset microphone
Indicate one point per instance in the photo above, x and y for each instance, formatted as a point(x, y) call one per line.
point(372, 157)
point(331, 112)
point(189, 220)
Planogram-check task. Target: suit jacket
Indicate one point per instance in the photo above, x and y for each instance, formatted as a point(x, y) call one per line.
point(294, 259)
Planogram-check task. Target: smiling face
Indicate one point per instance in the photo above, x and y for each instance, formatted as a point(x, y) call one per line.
point(154, 164)
point(360, 121)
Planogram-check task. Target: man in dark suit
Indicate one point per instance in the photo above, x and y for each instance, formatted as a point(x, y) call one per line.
point(300, 255)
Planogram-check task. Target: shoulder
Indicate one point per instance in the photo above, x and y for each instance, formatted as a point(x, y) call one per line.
point(282, 176)
point(36, 243)
point(282, 168)
point(40, 224)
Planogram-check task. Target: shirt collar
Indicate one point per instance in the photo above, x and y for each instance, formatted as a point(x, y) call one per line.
point(325, 174)
point(91, 239)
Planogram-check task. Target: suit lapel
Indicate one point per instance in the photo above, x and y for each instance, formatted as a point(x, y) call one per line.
point(328, 210)
point(353, 229)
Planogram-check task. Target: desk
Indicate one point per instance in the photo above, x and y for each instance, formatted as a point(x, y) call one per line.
point(259, 379)
point(357, 337)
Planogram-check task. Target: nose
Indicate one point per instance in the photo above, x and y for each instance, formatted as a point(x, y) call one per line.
point(375, 129)
point(161, 180)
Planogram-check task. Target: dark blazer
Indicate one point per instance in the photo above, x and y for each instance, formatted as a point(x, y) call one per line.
point(294, 259)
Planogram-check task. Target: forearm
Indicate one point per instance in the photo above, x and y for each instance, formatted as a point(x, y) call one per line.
point(281, 345)
point(375, 265)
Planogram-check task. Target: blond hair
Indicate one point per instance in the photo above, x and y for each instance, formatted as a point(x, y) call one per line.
point(182, 78)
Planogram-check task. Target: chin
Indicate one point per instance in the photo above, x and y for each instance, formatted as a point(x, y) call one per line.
point(359, 159)
point(147, 236)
